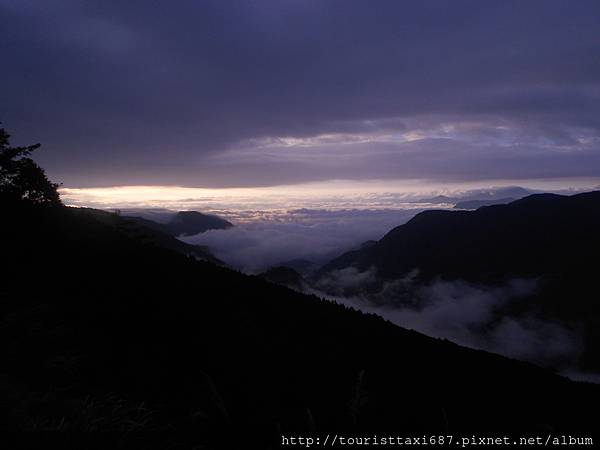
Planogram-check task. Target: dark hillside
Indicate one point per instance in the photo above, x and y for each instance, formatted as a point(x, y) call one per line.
point(192, 222)
point(539, 234)
point(551, 238)
point(103, 331)
point(474, 204)
point(184, 223)
point(148, 232)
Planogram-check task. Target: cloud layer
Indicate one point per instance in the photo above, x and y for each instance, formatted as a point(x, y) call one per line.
point(237, 93)
point(313, 235)
point(476, 316)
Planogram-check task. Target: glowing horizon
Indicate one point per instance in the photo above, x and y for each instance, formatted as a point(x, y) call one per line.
point(338, 194)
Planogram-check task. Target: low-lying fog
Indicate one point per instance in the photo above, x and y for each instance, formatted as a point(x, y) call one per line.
point(312, 235)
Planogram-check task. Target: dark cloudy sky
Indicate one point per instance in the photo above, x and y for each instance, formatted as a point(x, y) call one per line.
point(267, 92)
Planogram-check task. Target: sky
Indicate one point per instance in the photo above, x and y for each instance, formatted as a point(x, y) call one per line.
point(270, 93)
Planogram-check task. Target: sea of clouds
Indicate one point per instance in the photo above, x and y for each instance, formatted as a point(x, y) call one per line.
point(313, 235)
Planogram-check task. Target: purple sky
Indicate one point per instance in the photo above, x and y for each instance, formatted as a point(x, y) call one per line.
point(261, 93)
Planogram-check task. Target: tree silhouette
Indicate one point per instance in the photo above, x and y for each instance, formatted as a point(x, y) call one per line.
point(21, 179)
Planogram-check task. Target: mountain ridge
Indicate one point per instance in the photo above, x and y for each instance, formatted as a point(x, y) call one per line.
point(184, 223)
point(549, 238)
point(216, 355)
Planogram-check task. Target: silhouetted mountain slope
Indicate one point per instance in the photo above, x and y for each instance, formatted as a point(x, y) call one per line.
point(438, 199)
point(185, 223)
point(285, 276)
point(191, 222)
point(302, 266)
point(103, 331)
point(474, 204)
point(151, 224)
point(150, 232)
point(549, 237)
point(367, 244)
point(540, 234)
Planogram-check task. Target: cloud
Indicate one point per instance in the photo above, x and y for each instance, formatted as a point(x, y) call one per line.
point(533, 339)
point(222, 93)
point(473, 315)
point(338, 282)
point(314, 235)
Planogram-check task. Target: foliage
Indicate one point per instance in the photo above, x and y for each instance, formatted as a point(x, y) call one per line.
point(21, 179)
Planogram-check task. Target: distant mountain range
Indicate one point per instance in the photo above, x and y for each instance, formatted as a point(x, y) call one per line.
point(185, 223)
point(102, 328)
point(474, 204)
point(480, 197)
